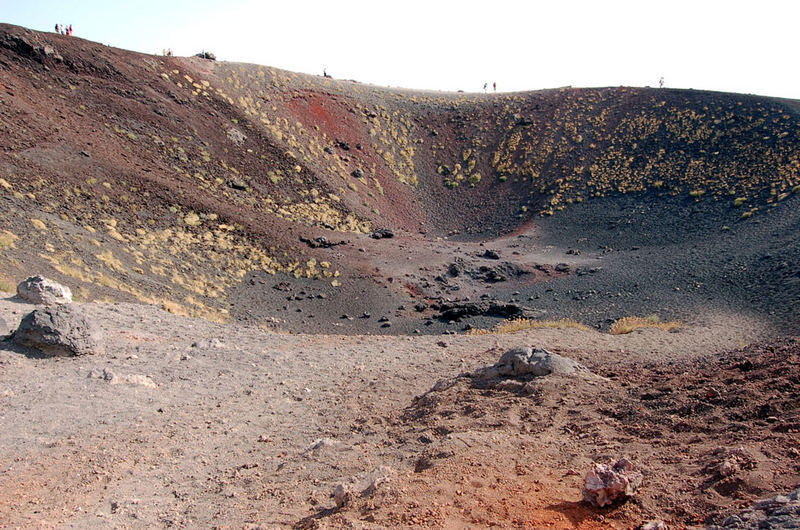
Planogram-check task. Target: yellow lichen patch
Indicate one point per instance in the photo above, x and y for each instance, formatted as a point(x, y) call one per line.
point(38, 224)
point(192, 219)
point(7, 239)
point(319, 212)
point(110, 261)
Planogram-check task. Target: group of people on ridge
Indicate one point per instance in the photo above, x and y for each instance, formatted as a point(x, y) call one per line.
point(64, 30)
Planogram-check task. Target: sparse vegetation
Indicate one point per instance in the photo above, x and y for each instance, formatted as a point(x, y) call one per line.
point(628, 324)
point(7, 239)
point(520, 324)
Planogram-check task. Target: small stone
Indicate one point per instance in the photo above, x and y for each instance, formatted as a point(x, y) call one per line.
point(382, 233)
point(654, 525)
point(133, 379)
point(376, 478)
point(237, 184)
point(341, 496)
point(236, 136)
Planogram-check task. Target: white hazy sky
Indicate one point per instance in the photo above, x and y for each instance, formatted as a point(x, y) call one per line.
point(733, 46)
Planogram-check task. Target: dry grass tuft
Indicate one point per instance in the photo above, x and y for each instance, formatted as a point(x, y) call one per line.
point(519, 324)
point(174, 308)
point(629, 324)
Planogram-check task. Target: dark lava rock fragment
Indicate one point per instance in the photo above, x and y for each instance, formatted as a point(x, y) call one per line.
point(59, 331)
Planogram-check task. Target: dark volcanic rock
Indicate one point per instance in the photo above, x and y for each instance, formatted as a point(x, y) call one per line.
point(779, 513)
point(237, 184)
point(59, 331)
point(321, 242)
point(382, 233)
point(459, 310)
point(499, 273)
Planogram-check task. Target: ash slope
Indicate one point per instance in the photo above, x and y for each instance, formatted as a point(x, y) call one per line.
point(204, 187)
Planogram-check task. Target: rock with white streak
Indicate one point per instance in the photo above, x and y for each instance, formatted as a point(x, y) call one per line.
point(604, 484)
point(41, 290)
point(537, 362)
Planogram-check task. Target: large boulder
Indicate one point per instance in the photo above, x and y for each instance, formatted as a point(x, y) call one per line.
point(59, 331)
point(41, 290)
point(538, 362)
point(604, 484)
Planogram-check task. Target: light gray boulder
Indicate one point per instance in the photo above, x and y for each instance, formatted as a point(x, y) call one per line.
point(59, 331)
point(519, 362)
point(40, 290)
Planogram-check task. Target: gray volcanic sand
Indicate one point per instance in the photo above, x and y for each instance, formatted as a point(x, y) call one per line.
point(630, 255)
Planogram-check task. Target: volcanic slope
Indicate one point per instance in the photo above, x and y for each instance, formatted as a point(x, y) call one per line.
point(228, 190)
point(267, 199)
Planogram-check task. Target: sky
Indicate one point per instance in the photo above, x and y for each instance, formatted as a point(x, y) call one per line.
point(731, 46)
